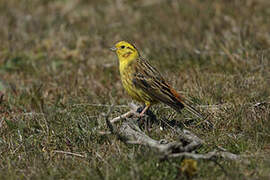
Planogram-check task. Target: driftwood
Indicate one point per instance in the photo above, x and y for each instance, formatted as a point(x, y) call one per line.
point(185, 146)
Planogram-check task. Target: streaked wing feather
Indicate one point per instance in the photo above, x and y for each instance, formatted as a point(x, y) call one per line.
point(151, 82)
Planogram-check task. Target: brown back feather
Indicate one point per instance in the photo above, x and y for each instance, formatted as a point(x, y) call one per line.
point(151, 82)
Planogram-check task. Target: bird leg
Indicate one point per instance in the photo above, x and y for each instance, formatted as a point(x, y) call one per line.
point(144, 110)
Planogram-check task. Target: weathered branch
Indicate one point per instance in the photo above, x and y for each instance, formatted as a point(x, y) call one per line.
point(134, 135)
point(129, 132)
point(210, 155)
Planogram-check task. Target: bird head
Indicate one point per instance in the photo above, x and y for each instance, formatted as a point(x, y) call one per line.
point(125, 50)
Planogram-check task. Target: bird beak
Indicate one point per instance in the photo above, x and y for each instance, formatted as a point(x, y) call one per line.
point(113, 48)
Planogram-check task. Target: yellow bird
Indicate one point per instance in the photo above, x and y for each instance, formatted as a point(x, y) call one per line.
point(144, 83)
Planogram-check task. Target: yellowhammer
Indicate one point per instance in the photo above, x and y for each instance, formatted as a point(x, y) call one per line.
point(144, 83)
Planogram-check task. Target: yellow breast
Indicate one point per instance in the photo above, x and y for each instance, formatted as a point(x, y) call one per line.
point(136, 93)
point(127, 56)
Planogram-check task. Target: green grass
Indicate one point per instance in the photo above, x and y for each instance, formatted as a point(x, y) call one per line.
point(55, 68)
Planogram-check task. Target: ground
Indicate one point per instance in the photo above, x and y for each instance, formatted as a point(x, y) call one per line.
point(58, 79)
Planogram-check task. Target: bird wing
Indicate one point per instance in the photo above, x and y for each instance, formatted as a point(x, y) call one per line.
point(151, 82)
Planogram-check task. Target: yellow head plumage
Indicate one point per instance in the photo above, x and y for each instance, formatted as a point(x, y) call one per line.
point(125, 51)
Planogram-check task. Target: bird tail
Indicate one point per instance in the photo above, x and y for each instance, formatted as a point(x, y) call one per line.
point(181, 103)
point(192, 110)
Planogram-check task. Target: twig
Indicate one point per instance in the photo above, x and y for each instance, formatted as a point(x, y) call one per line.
point(123, 116)
point(128, 114)
point(70, 153)
point(99, 105)
point(208, 156)
point(215, 106)
point(192, 155)
point(261, 104)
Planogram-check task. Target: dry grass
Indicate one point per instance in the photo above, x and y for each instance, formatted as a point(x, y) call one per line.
point(55, 66)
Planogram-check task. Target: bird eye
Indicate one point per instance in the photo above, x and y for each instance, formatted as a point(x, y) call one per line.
point(122, 47)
